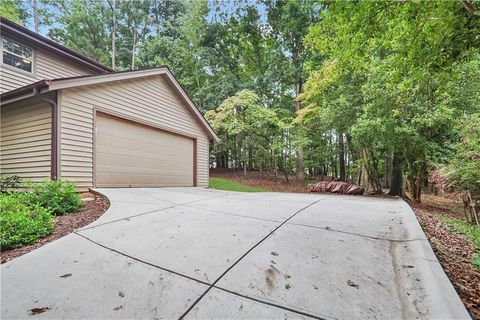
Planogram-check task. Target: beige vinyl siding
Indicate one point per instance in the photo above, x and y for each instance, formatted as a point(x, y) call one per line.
point(26, 140)
point(148, 100)
point(45, 66)
point(128, 154)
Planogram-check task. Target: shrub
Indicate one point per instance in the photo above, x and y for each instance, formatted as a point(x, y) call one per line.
point(58, 196)
point(8, 183)
point(22, 223)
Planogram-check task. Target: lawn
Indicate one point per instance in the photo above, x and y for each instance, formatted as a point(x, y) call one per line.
point(224, 184)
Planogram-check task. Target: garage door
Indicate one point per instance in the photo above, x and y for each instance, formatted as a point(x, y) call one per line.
point(128, 154)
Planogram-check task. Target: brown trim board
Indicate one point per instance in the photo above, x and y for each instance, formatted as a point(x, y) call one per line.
point(195, 162)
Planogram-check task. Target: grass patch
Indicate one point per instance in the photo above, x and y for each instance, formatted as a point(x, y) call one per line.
point(224, 184)
point(470, 231)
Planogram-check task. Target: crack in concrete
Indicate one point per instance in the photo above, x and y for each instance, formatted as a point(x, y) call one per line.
point(212, 285)
point(356, 234)
point(243, 256)
point(235, 214)
point(140, 260)
point(303, 313)
point(144, 213)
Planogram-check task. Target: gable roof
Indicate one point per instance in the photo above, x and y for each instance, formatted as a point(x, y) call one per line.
point(47, 85)
point(15, 31)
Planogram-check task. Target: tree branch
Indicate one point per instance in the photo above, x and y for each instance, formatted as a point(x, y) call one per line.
point(470, 8)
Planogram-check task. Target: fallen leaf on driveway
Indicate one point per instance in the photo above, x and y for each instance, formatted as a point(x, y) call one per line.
point(39, 310)
point(352, 284)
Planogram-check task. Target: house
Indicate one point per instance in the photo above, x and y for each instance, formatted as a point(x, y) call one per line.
point(66, 116)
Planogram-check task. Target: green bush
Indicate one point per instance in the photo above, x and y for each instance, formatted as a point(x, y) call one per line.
point(9, 183)
point(21, 222)
point(58, 196)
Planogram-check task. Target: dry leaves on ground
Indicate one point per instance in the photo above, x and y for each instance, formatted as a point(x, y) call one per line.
point(454, 251)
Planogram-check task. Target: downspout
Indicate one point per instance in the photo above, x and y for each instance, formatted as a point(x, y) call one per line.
point(54, 131)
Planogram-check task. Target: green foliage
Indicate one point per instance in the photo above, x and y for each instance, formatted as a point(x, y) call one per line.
point(249, 130)
point(12, 10)
point(81, 25)
point(9, 183)
point(396, 77)
point(22, 223)
point(58, 196)
point(387, 79)
point(224, 184)
point(463, 170)
point(467, 229)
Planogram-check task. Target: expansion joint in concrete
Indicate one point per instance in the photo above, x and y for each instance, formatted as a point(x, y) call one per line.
point(244, 255)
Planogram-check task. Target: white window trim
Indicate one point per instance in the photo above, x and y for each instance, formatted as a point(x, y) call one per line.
point(7, 66)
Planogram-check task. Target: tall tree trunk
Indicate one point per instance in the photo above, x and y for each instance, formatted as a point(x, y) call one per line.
point(35, 15)
point(134, 47)
point(396, 188)
point(275, 170)
point(114, 31)
point(341, 156)
point(387, 172)
point(364, 175)
point(245, 160)
point(370, 173)
point(299, 150)
point(415, 179)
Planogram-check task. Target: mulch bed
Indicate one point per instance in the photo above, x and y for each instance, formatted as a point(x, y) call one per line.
point(64, 225)
point(454, 251)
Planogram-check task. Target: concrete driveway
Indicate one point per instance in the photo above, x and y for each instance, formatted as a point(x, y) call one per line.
point(192, 253)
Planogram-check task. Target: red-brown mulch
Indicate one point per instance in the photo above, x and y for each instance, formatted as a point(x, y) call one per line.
point(454, 251)
point(64, 225)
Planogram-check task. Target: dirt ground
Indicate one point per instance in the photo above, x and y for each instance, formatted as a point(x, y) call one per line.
point(262, 179)
point(64, 225)
point(453, 250)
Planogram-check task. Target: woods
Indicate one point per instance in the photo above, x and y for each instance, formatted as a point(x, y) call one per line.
point(380, 94)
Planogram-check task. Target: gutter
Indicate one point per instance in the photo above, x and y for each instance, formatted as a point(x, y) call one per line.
point(13, 30)
point(54, 131)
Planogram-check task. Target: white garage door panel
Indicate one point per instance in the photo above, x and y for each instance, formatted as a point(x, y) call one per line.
point(129, 154)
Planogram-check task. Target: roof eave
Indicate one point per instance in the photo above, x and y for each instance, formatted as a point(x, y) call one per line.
point(24, 92)
point(10, 28)
point(59, 84)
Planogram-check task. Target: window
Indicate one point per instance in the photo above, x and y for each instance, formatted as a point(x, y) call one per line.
point(17, 55)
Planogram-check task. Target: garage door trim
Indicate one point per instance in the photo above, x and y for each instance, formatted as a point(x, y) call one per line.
point(131, 120)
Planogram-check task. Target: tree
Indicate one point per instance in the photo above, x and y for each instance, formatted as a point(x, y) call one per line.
point(82, 26)
point(112, 4)
point(289, 21)
point(463, 170)
point(13, 10)
point(401, 56)
point(134, 27)
point(249, 131)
